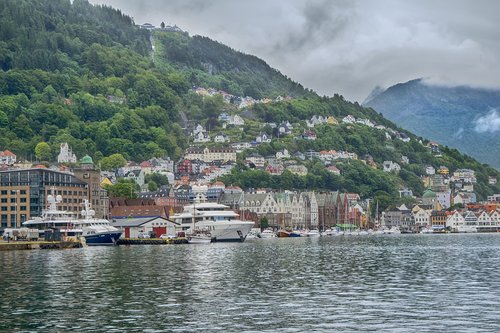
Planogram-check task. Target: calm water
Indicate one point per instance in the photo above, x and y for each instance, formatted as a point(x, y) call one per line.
point(419, 283)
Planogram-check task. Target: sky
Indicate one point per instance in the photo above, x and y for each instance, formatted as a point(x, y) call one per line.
point(347, 47)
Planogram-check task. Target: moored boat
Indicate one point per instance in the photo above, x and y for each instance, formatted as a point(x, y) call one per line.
point(222, 223)
point(95, 231)
point(282, 233)
point(198, 236)
point(268, 233)
point(313, 233)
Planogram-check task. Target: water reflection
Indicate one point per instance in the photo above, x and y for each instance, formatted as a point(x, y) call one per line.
point(420, 283)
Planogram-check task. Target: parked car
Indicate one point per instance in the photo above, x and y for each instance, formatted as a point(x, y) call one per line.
point(144, 236)
point(165, 236)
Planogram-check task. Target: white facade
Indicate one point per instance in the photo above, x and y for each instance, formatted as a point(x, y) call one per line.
point(454, 221)
point(7, 157)
point(236, 120)
point(422, 217)
point(66, 155)
point(282, 154)
point(390, 166)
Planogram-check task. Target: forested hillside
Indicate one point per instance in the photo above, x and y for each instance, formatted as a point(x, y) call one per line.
point(83, 74)
point(211, 64)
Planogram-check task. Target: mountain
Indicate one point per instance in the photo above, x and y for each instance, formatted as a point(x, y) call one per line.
point(87, 75)
point(461, 117)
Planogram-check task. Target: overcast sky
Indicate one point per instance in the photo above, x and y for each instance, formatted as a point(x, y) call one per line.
point(346, 46)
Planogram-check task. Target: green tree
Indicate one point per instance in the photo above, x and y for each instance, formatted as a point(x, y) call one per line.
point(152, 186)
point(113, 162)
point(43, 151)
point(124, 188)
point(264, 223)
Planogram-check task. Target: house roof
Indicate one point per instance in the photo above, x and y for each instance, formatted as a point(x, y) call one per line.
point(137, 222)
point(7, 153)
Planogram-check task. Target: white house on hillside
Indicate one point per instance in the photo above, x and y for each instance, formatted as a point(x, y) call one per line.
point(7, 157)
point(66, 155)
point(390, 166)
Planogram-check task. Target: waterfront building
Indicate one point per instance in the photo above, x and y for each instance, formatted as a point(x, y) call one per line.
point(422, 218)
point(150, 226)
point(438, 219)
point(400, 217)
point(455, 221)
point(98, 197)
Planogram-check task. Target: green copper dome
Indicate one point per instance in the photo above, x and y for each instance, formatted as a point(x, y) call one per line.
point(429, 194)
point(86, 160)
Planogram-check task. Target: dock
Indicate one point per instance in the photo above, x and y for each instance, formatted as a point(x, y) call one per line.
point(151, 241)
point(46, 245)
point(36, 245)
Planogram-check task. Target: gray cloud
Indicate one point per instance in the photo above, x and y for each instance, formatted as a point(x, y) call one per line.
point(489, 123)
point(347, 47)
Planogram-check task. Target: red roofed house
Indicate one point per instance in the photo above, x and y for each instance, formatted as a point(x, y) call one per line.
point(7, 157)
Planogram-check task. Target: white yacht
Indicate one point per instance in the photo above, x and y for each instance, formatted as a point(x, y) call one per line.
point(64, 222)
point(94, 231)
point(224, 225)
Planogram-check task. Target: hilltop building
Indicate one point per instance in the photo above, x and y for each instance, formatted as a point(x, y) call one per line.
point(66, 155)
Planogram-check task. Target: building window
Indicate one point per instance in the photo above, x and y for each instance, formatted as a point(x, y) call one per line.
point(4, 200)
point(4, 209)
point(23, 207)
point(4, 192)
point(23, 199)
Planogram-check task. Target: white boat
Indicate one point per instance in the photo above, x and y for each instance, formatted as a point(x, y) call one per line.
point(313, 233)
point(198, 236)
point(268, 233)
point(224, 225)
point(466, 228)
point(253, 235)
point(393, 231)
point(426, 231)
point(56, 221)
point(95, 231)
point(328, 232)
point(351, 233)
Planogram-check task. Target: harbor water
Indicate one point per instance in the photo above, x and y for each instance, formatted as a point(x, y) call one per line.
point(387, 283)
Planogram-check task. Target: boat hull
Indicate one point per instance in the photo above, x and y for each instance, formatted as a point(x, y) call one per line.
point(199, 240)
point(108, 238)
point(283, 233)
point(227, 231)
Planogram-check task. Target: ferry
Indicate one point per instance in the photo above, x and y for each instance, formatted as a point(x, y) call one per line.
point(223, 224)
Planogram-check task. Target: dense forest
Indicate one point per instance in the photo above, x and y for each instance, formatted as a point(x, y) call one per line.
point(84, 74)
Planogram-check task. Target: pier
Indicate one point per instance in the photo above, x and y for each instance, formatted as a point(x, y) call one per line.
point(151, 241)
point(36, 245)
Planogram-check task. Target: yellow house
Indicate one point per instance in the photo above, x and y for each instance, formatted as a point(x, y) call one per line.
point(332, 121)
